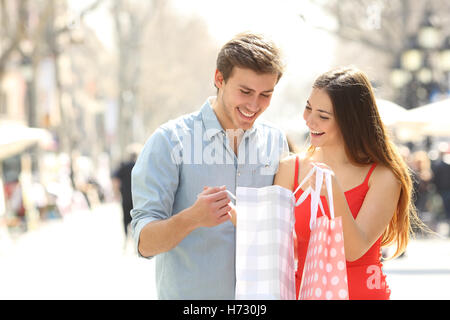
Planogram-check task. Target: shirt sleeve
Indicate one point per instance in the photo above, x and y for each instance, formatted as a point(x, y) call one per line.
point(154, 182)
point(284, 152)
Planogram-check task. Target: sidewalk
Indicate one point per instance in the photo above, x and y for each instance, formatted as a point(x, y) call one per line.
point(424, 272)
point(79, 257)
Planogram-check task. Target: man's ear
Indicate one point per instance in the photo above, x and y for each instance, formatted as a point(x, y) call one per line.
point(218, 79)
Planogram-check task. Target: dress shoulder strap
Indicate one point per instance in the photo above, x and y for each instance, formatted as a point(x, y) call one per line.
point(366, 181)
point(296, 172)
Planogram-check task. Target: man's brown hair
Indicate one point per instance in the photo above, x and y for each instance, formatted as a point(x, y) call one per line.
point(251, 51)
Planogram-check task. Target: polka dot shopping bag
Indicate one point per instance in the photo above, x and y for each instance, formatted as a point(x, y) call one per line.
point(325, 270)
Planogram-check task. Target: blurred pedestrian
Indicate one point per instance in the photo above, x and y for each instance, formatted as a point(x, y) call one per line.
point(371, 182)
point(441, 179)
point(421, 166)
point(180, 214)
point(122, 186)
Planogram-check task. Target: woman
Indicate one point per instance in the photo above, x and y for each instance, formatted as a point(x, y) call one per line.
point(371, 182)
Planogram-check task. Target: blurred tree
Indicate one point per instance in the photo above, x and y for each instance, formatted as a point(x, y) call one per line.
point(130, 19)
point(374, 33)
point(61, 26)
point(33, 31)
point(178, 64)
point(165, 66)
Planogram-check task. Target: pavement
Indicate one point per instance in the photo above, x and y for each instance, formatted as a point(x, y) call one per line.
point(82, 256)
point(85, 256)
point(423, 273)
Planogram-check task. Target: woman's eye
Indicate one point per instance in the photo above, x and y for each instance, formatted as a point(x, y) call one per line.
point(324, 118)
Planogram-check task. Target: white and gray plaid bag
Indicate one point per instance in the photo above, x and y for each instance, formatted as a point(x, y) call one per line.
point(265, 267)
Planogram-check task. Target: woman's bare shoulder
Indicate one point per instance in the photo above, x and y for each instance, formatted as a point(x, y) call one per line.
point(383, 175)
point(289, 160)
point(286, 172)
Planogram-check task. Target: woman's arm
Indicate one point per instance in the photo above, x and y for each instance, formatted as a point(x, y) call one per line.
point(374, 216)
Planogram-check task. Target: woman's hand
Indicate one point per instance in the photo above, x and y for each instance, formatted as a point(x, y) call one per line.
point(312, 180)
point(232, 214)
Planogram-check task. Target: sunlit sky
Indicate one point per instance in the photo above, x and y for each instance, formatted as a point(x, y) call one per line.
point(303, 45)
point(308, 51)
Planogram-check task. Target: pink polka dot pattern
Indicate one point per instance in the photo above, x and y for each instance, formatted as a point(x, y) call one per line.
point(325, 270)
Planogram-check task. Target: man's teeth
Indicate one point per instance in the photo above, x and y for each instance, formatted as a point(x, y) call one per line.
point(249, 115)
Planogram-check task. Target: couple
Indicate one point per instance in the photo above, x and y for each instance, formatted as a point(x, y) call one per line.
point(181, 211)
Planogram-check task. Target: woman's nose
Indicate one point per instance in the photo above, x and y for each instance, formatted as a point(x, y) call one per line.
point(308, 119)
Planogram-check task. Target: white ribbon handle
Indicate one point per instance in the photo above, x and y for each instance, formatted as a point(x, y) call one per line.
point(316, 200)
point(315, 197)
point(320, 172)
point(302, 183)
point(231, 195)
point(330, 192)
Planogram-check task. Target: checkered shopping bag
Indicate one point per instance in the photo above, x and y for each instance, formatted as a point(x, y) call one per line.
point(325, 270)
point(265, 267)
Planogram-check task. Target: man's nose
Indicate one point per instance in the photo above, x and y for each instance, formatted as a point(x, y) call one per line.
point(252, 104)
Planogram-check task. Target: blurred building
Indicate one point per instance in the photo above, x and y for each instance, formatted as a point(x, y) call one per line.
point(54, 82)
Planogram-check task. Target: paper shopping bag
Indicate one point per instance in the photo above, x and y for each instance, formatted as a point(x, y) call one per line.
point(265, 267)
point(325, 270)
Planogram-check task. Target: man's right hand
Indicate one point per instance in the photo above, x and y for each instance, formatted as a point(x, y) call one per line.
point(212, 207)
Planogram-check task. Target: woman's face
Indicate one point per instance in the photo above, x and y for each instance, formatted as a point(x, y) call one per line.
point(319, 116)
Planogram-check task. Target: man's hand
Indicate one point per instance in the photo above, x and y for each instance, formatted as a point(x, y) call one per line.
point(212, 207)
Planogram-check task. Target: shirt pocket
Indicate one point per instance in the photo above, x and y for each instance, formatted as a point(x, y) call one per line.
point(263, 173)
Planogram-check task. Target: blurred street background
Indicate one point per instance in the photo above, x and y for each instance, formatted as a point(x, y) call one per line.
point(84, 83)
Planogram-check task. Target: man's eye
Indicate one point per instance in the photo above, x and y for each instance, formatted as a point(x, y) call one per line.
point(245, 92)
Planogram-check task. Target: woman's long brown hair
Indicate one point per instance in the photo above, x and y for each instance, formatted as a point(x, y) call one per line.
point(366, 142)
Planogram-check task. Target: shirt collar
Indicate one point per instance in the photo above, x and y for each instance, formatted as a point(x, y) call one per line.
point(210, 121)
point(212, 124)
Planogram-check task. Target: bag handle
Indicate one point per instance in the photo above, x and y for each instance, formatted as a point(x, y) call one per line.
point(231, 195)
point(316, 201)
point(320, 173)
point(308, 175)
point(330, 192)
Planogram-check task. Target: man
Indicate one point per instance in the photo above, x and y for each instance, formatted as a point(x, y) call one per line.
point(181, 178)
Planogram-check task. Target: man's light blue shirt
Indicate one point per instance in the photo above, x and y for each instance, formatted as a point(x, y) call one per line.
point(178, 160)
